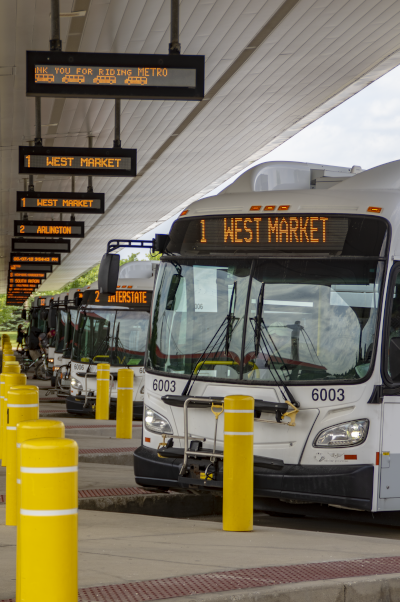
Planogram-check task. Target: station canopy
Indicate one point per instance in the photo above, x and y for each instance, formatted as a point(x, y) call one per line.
point(272, 68)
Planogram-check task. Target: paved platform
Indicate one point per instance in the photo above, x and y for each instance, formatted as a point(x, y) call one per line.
point(152, 558)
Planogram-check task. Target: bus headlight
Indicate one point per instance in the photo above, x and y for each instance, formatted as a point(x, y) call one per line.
point(156, 423)
point(76, 384)
point(343, 435)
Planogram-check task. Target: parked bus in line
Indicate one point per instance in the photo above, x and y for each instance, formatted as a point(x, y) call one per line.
point(112, 329)
point(284, 287)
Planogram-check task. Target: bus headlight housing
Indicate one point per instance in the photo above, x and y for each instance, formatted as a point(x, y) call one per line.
point(76, 384)
point(156, 423)
point(343, 435)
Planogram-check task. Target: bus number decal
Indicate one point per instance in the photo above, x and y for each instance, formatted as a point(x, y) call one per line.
point(168, 386)
point(328, 394)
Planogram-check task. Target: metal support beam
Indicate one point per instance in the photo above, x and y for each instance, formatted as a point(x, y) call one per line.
point(174, 47)
point(38, 121)
point(55, 42)
point(90, 178)
point(117, 127)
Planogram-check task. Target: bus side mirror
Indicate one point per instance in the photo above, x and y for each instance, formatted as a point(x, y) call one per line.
point(43, 314)
point(77, 299)
point(108, 273)
point(160, 243)
point(52, 318)
point(394, 358)
point(23, 314)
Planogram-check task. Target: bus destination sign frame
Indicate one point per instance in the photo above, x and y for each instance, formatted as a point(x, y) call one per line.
point(26, 246)
point(61, 202)
point(64, 160)
point(103, 75)
point(35, 258)
point(42, 228)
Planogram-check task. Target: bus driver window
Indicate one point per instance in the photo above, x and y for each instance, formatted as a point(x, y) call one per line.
point(394, 335)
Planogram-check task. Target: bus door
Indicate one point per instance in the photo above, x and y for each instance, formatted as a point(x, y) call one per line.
point(390, 447)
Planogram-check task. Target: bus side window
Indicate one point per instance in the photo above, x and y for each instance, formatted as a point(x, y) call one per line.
point(394, 334)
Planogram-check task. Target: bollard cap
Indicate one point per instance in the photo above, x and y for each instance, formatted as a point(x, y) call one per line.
point(238, 402)
point(14, 379)
point(39, 429)
point(23, 394)
point(103, 367)
point(11, 369)
point(49, 452)
point(125, 377)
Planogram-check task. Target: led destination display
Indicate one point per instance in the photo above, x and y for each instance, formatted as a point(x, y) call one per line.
point(27, 275)
point(258, 233)
point(70, 202)
point(103, 75)
point(29, 267)
point(36, 259)
point(44, 160)
point(41, 228)
point(135, 299)
point(29, 245)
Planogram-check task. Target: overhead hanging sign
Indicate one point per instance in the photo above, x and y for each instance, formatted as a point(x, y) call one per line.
point(27, 274)
point(60, 202)
point(45, 244)
point(45, 228)
point(64, 160)
point(36, 259)
point(105, 75)
point(29, 267)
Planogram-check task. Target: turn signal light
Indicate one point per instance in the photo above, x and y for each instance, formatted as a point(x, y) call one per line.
point(255, 208)
point(374, 209)
point(184, 212)
point(269, 207)
point(283, 207)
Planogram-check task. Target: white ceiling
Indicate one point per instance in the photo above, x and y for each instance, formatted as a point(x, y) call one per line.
point(272, 67)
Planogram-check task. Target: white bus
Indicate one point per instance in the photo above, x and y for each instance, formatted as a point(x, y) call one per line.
point(111, 329)
point(285, 287)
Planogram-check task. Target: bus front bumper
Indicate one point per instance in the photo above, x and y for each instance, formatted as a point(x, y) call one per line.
point(75, 405)
point(349, 485)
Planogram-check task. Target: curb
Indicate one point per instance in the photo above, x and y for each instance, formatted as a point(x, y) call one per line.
point(366, 589)
point(171, 505)
point(122, 459)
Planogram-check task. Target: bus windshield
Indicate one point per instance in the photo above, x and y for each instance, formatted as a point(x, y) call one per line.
point(117, 337)
point(60, 332)
point(266, 320)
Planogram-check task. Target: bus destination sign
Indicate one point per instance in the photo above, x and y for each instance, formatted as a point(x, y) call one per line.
point(30, 267)
point(46, 160)
point(135, 299)
point(27, 275)
point(60, 202)
point(36, 259)
point(46, 228)
point(103, 75)
point(29, 245)
point(260, 233)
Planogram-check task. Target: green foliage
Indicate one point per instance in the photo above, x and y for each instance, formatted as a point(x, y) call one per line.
point(10, 315)
point(153, 256)
point(132, 257)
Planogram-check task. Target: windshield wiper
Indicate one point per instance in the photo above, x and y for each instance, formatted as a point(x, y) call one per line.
point(260, 338)
point(227, 326)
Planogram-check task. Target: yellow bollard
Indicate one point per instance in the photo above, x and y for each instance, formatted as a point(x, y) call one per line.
point(31, 429)
point(22, 404)
point(49, 520)
point(238, 470)
point(103, 392)
point(10, 380)
point(11, 368)
point(124, 404)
